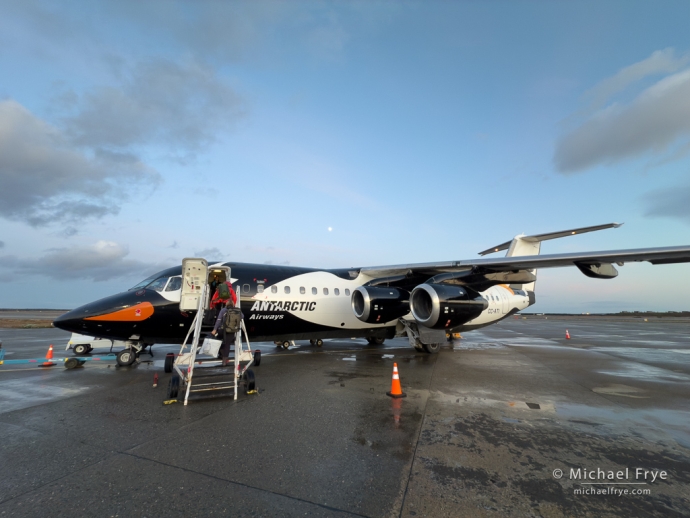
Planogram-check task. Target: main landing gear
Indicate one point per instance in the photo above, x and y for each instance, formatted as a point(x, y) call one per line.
point(415, 340)
point(375, 341)
point(317, 343)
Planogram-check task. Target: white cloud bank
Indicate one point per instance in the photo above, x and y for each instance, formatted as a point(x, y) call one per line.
point(655, 120)
point(44, 178)
point(102, 261)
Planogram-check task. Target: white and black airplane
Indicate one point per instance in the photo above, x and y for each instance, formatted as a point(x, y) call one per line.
point(421, 301)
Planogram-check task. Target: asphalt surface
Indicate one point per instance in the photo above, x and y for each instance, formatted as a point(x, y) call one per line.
point(483, 430)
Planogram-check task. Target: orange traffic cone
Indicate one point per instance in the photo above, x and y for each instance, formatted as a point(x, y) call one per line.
point(49, 356)
point(567, 335)
point(396, 390)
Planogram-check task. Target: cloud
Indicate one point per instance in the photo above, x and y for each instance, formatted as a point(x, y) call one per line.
point(174, 245)
point(44, 178)
point(660, 62)
point(182, 106)
point(210, 254)
point(105, 260)
point(2, 244)
point(656, 119)
point(673, 202)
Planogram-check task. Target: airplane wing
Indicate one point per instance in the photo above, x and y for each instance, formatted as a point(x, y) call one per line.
point(598, 264)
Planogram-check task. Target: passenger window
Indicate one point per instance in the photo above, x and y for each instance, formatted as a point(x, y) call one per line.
point(336, 292)
point(259, 288)
point(245, 288)
point(325, 291)
point(314, 291)
point(347, 292)
point(286, 289)
point(302, 290)
point(174, 284)
point(274, 289)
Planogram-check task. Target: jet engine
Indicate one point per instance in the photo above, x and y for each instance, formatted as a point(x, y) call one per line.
point(441, 306)
point(374, 304)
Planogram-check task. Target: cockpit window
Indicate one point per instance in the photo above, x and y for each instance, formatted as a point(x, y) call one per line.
point(158, 284)
point(164, 275)
point(174, 284)
point(146, 282)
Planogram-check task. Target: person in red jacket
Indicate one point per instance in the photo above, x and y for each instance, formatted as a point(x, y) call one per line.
point(218, 301)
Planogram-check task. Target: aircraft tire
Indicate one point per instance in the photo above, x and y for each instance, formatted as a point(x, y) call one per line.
point(257, 358)
point(375, 341)
point(126, 357)
point(432, 348)
point(319, 343)
point(80, 349)
point(173, 387)
point(278, 344)
point(249, 381)
point(286, 344)
point(312, 341)
point(169, 362)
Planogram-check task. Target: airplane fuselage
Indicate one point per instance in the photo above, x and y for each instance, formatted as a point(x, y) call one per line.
point(278, 302)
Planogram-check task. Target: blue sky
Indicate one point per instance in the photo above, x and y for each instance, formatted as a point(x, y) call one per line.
point(133, 134)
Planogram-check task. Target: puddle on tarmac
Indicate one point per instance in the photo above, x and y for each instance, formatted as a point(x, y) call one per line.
point(19, 394)
point(640, 371)
point(648, 423)
point(676, 356)
point(475, 346)
point(350, 359)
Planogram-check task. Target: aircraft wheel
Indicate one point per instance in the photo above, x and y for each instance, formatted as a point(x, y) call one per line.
point(126, 357)
point(80, 349)
point(278, 344)
point(173, 387)
point(257, 358)
point(432, 348)
point(312, 342)
point(319, 343)
point(286, 344)
point(169, 362)
point(249, 381)
point(375, 341)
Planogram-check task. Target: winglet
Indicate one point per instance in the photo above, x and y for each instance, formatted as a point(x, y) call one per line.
point(551, 235)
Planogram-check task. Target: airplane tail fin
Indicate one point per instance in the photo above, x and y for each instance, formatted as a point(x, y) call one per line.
point(523, 245)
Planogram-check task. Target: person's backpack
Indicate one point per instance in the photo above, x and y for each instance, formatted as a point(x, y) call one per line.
point(223, 291)
point(231, 320)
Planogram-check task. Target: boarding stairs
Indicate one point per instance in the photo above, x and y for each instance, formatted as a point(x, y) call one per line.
point(188, 360)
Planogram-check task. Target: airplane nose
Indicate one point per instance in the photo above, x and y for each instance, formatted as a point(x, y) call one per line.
point(80, 320)
point(72, 321)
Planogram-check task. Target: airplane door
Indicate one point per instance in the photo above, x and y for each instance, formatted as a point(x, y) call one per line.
point(194, 278)
point(505, 301)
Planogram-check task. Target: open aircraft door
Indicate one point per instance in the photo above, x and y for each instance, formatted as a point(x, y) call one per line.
point(505, 301)
point(194, 278)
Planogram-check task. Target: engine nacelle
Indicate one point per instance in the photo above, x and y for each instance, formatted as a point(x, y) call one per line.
point(442, 306)
point(376, 305)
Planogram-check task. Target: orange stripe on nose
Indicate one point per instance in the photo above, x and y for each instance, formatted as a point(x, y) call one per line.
point(137, 313)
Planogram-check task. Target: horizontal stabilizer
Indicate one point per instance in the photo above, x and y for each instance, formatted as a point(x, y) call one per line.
point(551, 235)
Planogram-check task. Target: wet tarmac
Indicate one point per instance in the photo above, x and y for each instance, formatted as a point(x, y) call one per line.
point(484, 430)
